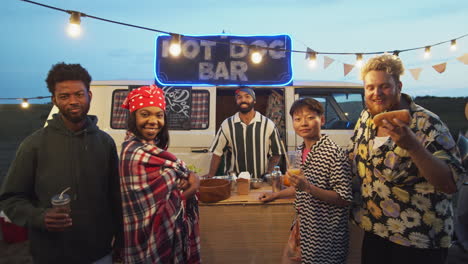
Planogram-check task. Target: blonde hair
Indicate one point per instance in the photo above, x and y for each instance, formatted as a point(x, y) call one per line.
point(390, 64)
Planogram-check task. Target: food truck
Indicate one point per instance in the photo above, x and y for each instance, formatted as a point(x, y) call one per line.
point(199, 88)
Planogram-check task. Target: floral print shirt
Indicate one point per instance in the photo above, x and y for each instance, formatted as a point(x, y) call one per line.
point(395, 201)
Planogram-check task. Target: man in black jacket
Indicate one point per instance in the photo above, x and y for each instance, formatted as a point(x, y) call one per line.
point(71, 151)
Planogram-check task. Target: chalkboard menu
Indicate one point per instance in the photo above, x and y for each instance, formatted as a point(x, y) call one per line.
point(224, 60)
point(178, 107)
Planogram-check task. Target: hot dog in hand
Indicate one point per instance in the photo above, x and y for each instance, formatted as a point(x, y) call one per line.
point(402, 115)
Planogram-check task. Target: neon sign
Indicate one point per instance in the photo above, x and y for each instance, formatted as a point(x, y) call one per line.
point(224, 60)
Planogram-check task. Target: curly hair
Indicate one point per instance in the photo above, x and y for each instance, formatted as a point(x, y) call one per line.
point(390, 64)
point(61, 72)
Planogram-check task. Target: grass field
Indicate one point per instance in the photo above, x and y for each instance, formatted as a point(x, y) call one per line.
point(450, 109)
point(17, 124)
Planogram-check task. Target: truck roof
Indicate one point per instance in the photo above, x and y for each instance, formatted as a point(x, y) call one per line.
point(299, 83)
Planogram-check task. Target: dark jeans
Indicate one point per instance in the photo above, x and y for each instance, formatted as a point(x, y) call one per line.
point(377, 250)
point(457, 254)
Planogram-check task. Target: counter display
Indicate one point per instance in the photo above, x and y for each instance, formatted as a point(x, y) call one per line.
point(241, 229)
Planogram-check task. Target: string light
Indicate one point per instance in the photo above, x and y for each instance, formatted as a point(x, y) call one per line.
point(311, 56)
point(427, 52)
point(396, 53)
point(453, 44)
point(25, 103)
point(227, 43)
point(74, 28)
point(255, 56)
point(359, 60)
point(175, 47)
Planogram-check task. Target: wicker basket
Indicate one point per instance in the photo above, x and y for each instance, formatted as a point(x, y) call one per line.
point(214, 190)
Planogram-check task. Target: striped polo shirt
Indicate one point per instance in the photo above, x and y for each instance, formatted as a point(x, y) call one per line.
point(247, 147)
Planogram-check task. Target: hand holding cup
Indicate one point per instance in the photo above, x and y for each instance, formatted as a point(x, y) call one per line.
point(58, 217)
point(294, 166)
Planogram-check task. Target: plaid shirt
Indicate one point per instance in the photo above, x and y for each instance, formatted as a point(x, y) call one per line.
point(160, 224)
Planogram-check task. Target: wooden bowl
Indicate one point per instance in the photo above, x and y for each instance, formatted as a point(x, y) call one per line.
point(214, 190)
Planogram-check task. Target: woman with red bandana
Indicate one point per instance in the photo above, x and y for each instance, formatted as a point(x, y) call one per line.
point(160, 206)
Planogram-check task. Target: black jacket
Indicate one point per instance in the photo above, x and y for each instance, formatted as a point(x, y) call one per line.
point(50, 160)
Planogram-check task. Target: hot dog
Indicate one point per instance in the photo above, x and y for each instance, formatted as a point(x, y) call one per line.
point(402, 115)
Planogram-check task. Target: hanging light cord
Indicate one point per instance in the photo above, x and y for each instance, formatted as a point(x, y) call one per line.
point(237, 44)
point(25, 98)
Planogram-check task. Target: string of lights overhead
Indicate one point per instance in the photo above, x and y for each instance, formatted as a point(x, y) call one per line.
point(74, 30)
point(25, 100)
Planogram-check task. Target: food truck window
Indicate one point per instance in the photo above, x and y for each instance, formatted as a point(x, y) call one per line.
point(199, 114)
point(342, 109)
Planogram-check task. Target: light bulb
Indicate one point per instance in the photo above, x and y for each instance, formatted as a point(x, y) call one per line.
point(453, 44)
point(25, 103)
point(256, 57)
point(358, 60)
point(175, 49)
point(427, 52)
point(175, 45)
point(74, 30)
point(312, 63)
point(311, 56)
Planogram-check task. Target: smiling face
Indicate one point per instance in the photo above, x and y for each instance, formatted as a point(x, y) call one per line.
point(149, 122)
point(381, 92)
point(245, 102)
point(307, 123)
point(72, 99)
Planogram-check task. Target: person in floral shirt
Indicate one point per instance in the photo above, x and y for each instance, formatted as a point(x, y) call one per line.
point(406, 173)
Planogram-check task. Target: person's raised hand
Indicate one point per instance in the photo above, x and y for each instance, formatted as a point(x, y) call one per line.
point(401, 134)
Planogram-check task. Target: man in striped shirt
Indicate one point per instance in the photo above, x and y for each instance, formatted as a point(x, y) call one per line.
point(249, 141)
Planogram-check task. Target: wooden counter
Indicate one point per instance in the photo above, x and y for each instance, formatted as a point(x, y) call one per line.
point(241, 229)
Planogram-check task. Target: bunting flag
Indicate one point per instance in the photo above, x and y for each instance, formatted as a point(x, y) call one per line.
point(415, 73)
point(440, 68)
point(347, 68)
point(327, 61)
point(309, 50)
point(463, 59)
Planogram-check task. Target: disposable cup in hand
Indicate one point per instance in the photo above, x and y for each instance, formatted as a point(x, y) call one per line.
point(61, 202)
point(294, 165)
point(294, 159)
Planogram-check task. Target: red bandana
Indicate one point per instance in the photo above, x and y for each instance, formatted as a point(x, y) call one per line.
point(143, 97)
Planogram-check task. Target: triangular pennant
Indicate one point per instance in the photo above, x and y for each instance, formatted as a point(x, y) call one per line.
point(440, 68)
point(415, 72)
point(347, 68)
point(327, 61)
point(463, 59)
point(309, 50)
